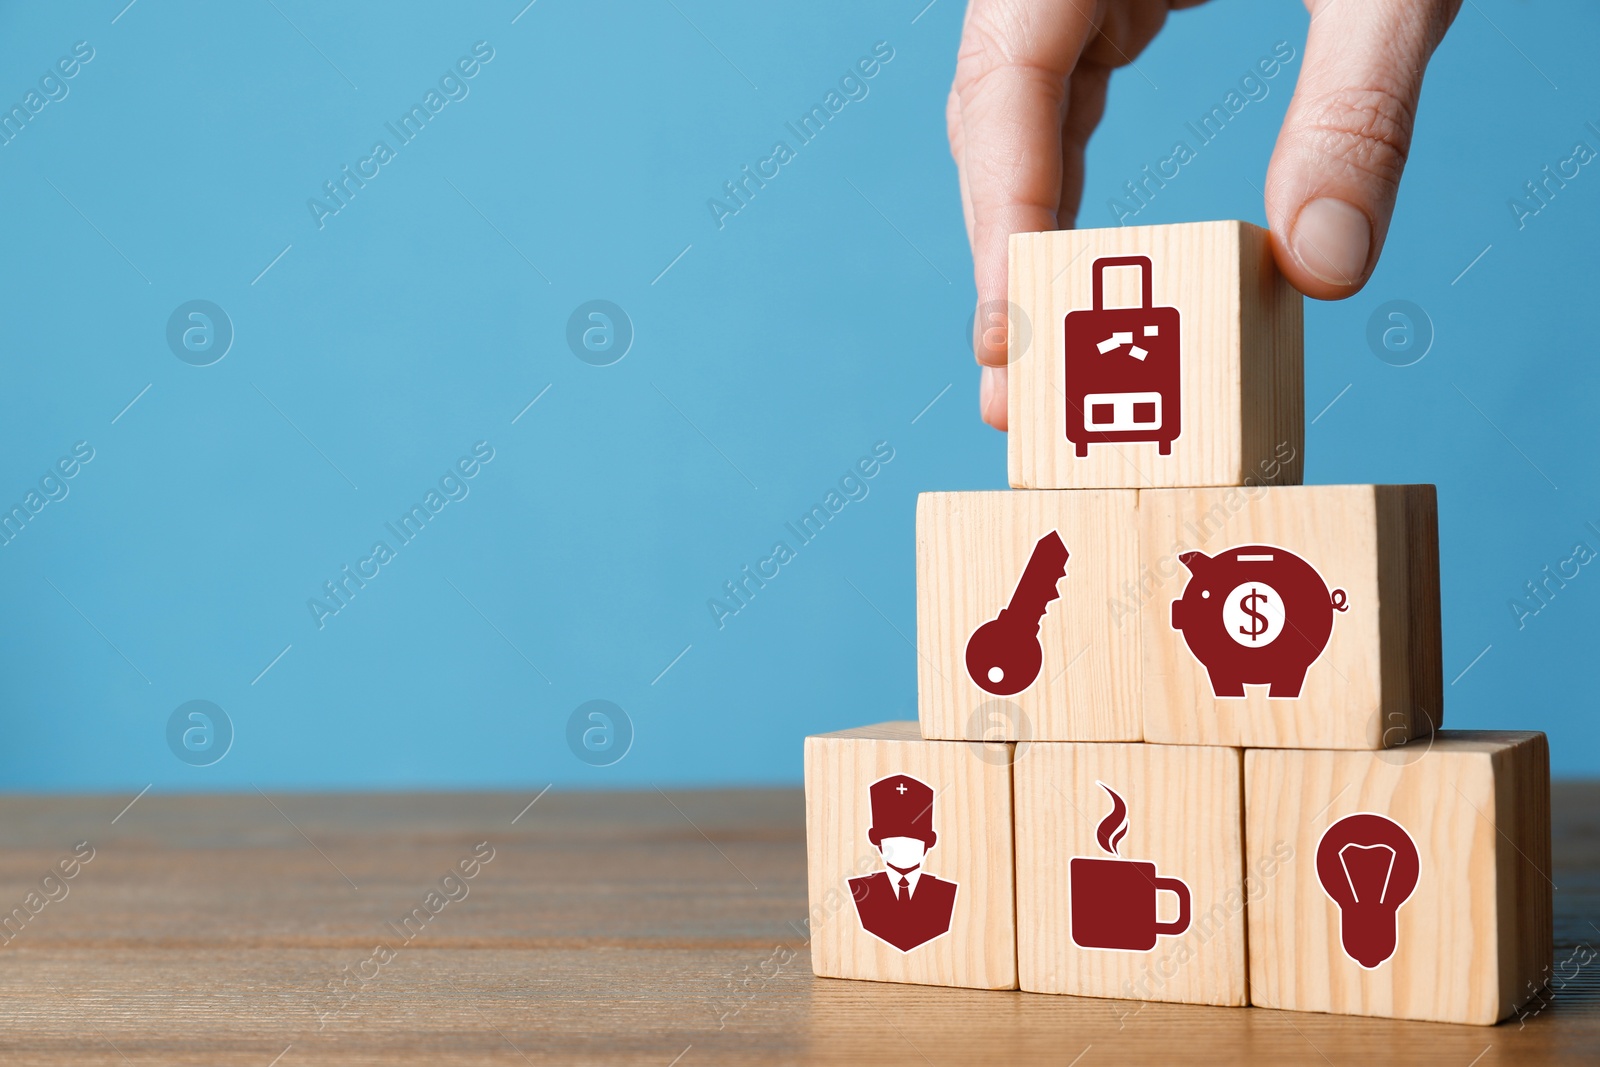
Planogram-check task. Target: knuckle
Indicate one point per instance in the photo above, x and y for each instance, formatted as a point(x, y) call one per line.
point(971, 76)
point(1366, 129)
point(983, 47)
point(993, 46)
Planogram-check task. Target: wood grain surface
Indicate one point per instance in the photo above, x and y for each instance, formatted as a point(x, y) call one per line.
point(971, 818)
point(639, 928)
point(1240, 357)
point(1376, 683)
point(1184, 817)
point(1472, 938)
point(972, 548)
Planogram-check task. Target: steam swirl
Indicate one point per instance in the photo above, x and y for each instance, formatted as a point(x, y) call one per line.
point(1115, 825)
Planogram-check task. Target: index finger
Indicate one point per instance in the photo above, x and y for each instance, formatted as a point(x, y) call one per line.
point(1010, 97)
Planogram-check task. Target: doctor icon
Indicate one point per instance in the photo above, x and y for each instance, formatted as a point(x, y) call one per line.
point(903, 904)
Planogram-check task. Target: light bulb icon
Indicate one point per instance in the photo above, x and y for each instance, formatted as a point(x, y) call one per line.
point(1368, 865)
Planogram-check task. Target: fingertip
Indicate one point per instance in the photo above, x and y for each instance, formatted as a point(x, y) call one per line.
point(1328, 249)
point(992, 397)
point(991, 333)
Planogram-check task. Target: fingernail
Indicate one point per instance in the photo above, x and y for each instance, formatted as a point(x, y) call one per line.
point(985, 391)
point(1331, 240)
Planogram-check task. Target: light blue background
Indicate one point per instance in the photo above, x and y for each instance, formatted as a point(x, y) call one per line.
point(772, 355)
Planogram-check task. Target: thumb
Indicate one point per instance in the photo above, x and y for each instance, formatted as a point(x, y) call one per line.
point(1335, 173)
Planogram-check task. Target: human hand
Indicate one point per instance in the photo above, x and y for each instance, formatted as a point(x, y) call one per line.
point(1030, 87)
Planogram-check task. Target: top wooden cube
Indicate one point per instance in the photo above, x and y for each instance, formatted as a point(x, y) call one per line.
point(1153, 357)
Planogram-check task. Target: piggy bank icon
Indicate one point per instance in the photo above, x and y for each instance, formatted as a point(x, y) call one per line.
point(1255, 615)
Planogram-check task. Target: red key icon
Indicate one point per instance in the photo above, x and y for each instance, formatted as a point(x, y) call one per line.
point(1004, 654)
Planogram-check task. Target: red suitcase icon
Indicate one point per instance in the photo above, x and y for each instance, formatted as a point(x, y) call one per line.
point(1122, 368)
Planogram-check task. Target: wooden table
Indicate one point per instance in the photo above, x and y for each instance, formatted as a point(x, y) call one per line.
point(643, 928)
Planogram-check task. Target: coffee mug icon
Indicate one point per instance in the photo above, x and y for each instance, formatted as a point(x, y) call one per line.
point(1116, 904)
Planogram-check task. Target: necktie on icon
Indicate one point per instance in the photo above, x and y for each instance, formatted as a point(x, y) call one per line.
point(905, 887)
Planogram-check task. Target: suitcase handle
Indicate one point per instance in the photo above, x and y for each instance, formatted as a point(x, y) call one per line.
point(1142, 262)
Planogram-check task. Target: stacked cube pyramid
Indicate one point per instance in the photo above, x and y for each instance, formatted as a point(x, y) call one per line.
point(1179, 715)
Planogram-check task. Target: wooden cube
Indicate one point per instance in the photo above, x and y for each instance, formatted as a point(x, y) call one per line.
point(1412, 883)
point(1290, 616)
point(884, 806)
point(1130, 872)
point(1153, 356)
point(1072, 677)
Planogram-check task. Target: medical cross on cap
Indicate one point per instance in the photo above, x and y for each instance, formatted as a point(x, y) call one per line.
point(901, 788)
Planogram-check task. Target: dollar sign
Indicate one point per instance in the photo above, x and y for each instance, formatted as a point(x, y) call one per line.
point(1258, 621)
